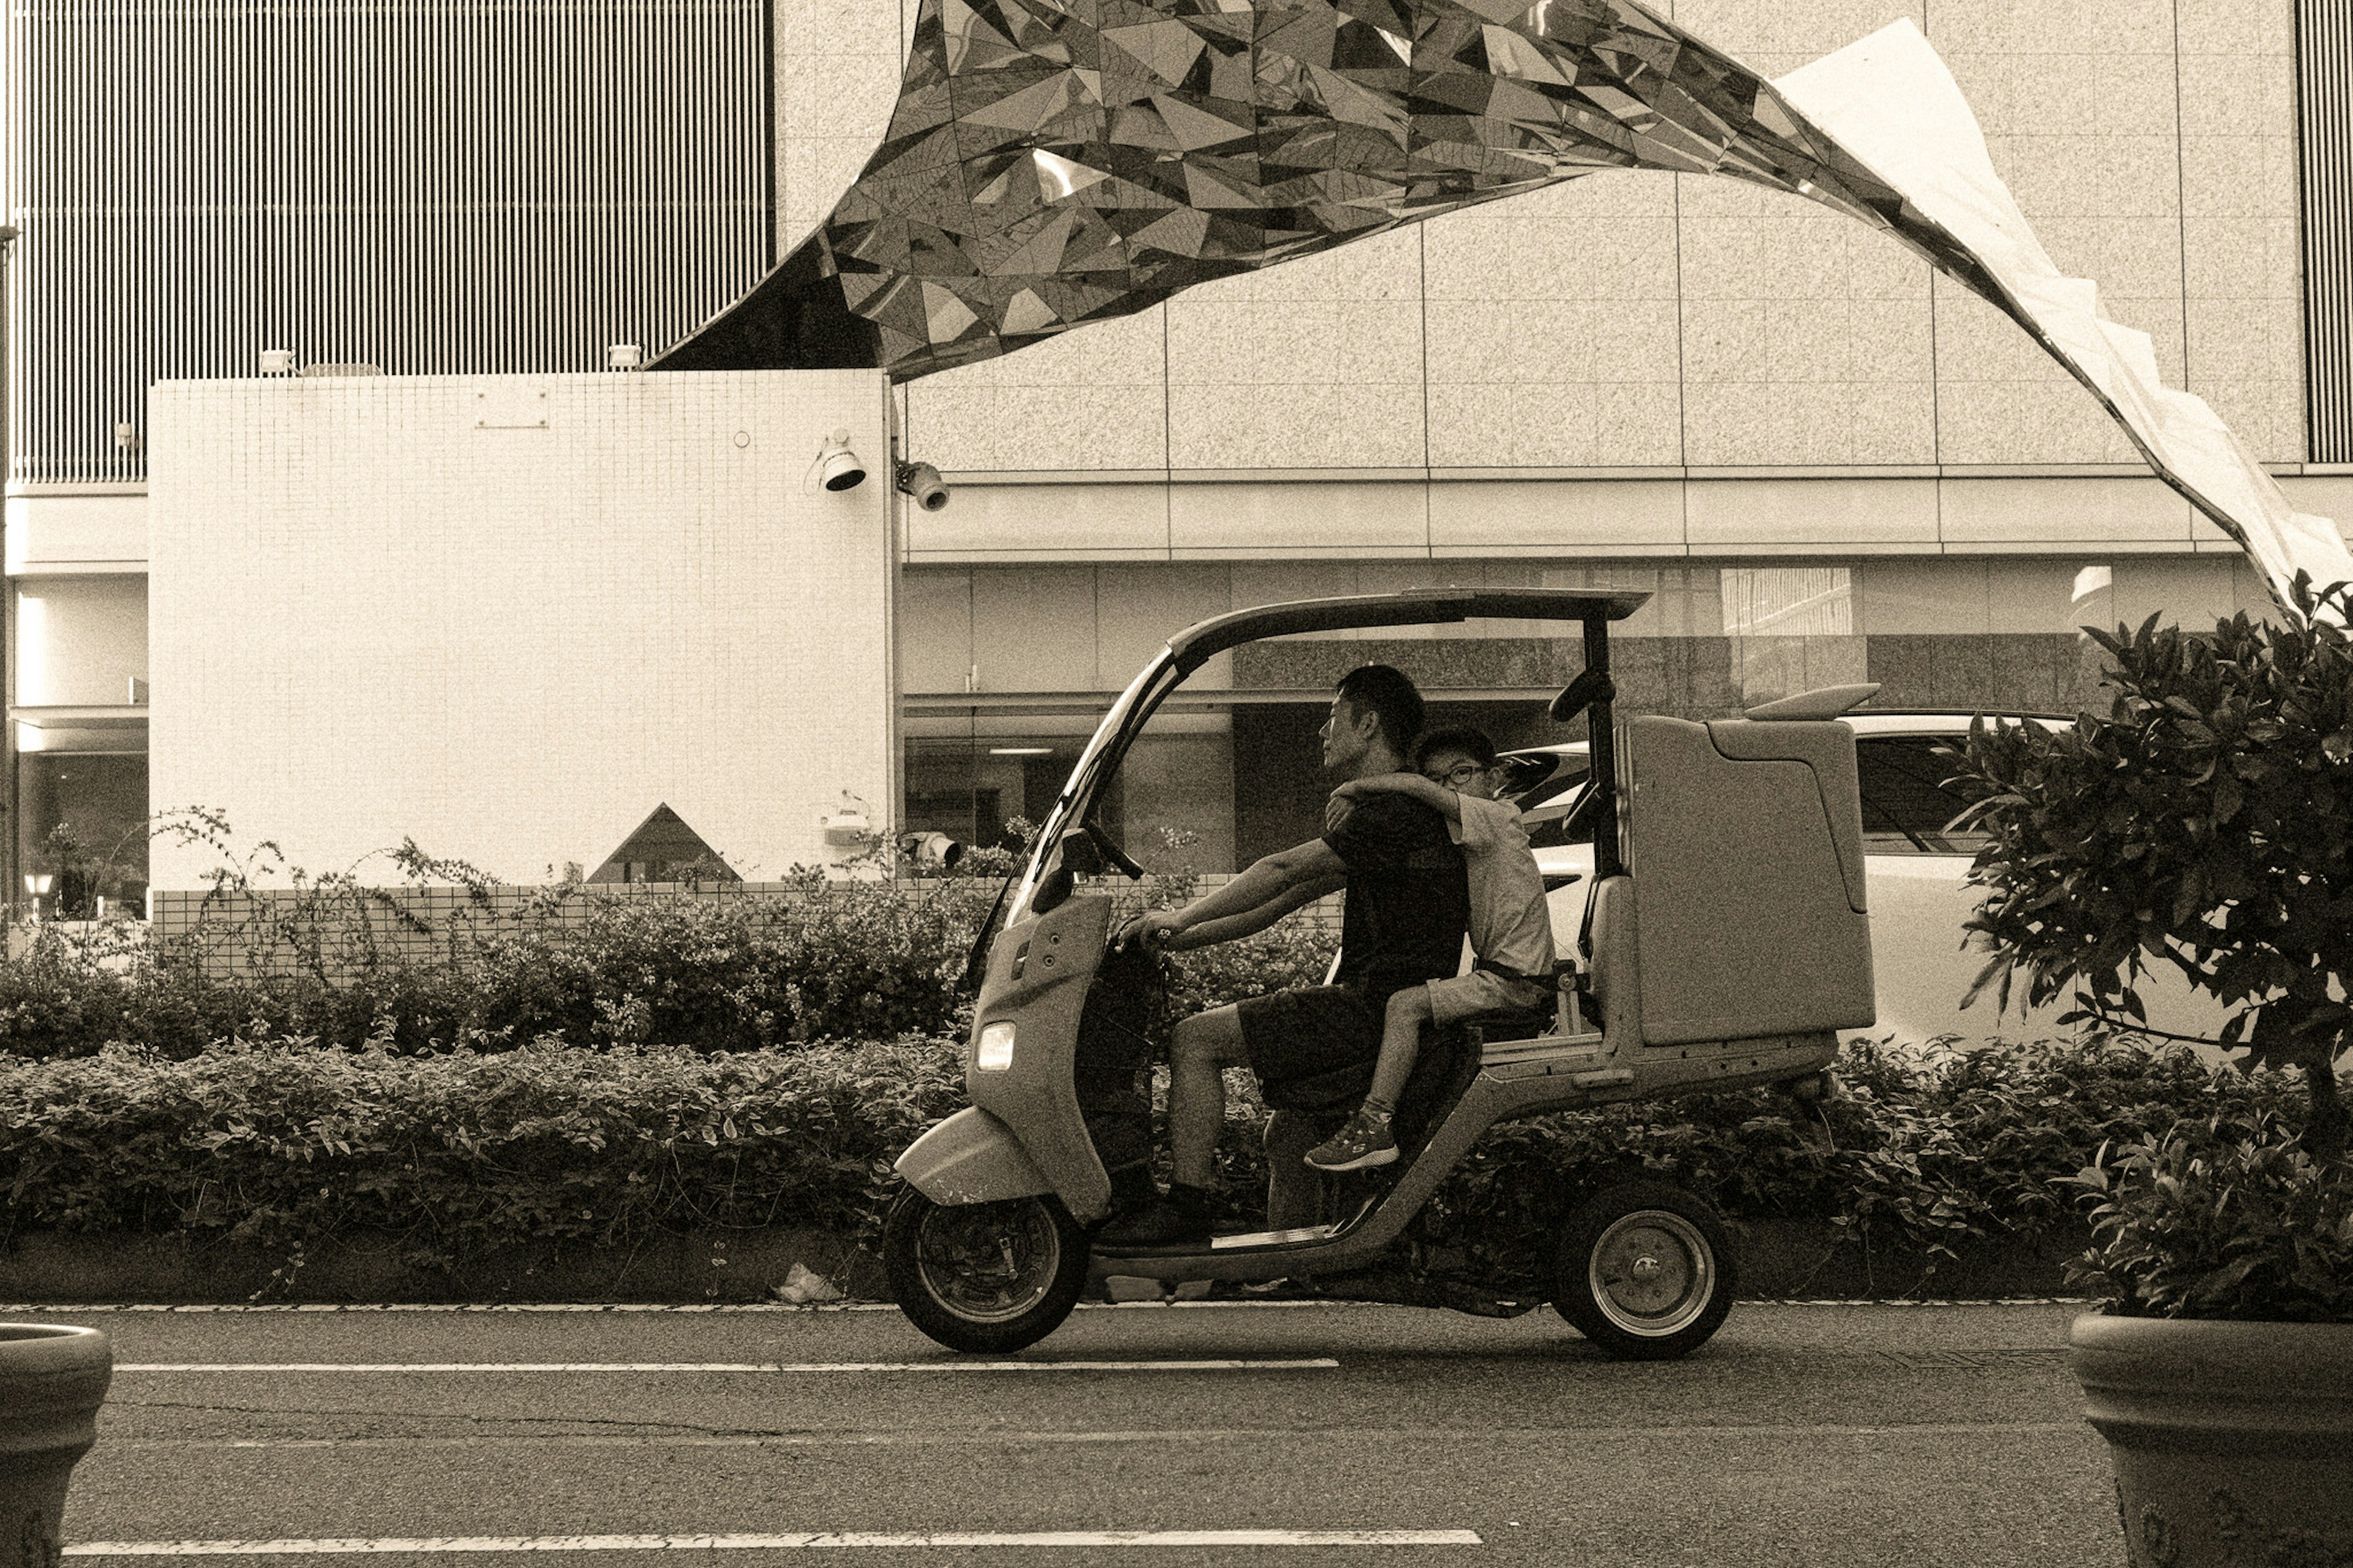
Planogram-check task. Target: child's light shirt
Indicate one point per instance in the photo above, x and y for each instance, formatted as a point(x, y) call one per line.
point(1510, 925)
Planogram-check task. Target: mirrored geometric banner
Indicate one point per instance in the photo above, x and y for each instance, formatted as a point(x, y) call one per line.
point(1047, 165)
point(1050, 164)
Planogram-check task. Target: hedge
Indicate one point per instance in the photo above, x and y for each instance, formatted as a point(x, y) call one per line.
point(283, 1142)
point(846, 961)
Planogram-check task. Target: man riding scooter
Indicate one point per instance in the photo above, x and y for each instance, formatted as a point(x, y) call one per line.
point(1408, 911)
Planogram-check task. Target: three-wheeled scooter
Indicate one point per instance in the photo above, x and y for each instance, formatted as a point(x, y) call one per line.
point(1725, 943)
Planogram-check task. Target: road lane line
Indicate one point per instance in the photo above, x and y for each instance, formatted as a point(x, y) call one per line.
point(762, 1367)
point(345, 1545)
point(775, 1307)
point(1148, 1434)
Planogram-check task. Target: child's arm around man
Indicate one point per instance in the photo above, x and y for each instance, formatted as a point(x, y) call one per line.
point(1511, 928)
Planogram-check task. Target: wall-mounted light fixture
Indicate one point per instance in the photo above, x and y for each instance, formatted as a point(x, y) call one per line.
point(623, 356)
point(849, 822)
point(278, 362)
point(837, 466)
point(126, 436)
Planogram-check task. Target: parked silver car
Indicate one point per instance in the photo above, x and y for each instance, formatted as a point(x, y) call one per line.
point(1914, 862)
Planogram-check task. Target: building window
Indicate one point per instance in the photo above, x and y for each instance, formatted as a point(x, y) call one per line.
point(82, 818)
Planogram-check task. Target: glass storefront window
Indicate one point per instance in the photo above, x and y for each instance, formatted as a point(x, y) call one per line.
point(973, 789)
point(82, 820)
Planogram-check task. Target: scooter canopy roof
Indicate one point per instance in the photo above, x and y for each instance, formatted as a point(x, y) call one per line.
point(1197, 645)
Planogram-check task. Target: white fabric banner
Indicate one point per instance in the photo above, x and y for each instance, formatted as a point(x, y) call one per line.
point(1890, 102)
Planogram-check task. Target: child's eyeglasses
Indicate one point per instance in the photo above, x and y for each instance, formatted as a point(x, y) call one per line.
point(1460, 773)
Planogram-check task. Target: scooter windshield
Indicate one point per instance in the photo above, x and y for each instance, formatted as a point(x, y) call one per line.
point(1073, 819)
point(1073, 809)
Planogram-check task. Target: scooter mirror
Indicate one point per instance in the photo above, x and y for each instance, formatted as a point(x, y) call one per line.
point(1080, 856)
point(1053, 888)
point(1589, 687)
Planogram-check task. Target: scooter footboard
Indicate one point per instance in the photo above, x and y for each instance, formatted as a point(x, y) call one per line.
point(971, 1158)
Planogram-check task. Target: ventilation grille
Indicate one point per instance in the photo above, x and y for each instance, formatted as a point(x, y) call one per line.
point(484, 187)
point(2325, 90)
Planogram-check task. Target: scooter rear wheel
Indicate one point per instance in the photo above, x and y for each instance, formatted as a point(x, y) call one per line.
point(984, 1277)
point(1644, 1269)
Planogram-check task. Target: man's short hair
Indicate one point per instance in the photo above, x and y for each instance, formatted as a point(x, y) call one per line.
point(1471, 742)
point(1389, 694)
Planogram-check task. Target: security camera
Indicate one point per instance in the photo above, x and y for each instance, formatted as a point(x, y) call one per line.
point(923, 481)
point(837, 466)
point(933, 849)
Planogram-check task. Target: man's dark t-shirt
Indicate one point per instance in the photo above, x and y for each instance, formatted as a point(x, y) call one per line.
point(1409, 899)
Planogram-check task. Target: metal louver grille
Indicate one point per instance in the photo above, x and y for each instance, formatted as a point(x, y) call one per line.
point(482, 186)
point(2325, 90)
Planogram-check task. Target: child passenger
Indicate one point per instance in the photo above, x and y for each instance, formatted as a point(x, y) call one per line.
point(1510, 930)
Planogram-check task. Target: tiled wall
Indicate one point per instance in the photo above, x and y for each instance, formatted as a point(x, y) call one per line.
point(1659, 319)
point(1716, 676)
point(1942, 631)
point(1366, 513)
point(511, 616)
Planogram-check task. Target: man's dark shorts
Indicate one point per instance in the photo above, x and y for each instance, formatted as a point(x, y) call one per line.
point(1313, 1048)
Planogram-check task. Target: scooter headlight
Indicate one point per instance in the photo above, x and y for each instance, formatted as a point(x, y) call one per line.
point(995, 1052)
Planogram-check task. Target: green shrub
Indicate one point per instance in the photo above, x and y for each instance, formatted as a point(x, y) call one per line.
point(851, 961)
point(285, 1143)
point(2225, 1216)
point(282, 1144)
point(2202, 828)
point(1934, 1146)
point(839, 961)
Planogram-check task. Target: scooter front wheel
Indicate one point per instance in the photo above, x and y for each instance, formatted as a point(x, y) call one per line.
point(1644, 1270)
point(984, 1278)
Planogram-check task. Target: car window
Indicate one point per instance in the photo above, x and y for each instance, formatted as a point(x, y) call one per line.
point(1906, 805)
point(1545, 811)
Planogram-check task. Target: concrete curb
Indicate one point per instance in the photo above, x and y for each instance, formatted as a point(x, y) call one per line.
point(693, 1267)
point(1793, 1260)
point(1778, 1259)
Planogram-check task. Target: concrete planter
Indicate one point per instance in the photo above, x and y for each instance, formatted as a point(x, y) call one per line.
point(52, 1381)
point(2232, 1442)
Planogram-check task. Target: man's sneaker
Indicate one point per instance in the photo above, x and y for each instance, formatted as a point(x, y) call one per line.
point(1364, 1141)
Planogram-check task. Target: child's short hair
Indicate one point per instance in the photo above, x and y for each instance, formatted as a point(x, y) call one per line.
point(1471, 742)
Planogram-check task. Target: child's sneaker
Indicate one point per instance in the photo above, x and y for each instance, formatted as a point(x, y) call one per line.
point(1364, 1141)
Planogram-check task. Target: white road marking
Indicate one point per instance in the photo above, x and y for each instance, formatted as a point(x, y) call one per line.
point(761, 1367)
point(339, 1546)
point(769, 1307)
point(1154, 1435)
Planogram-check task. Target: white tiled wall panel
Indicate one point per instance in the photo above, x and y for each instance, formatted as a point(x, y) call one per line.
point(507, 617)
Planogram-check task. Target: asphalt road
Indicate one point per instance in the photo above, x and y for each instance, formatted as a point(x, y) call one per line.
point(1803, 1435)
